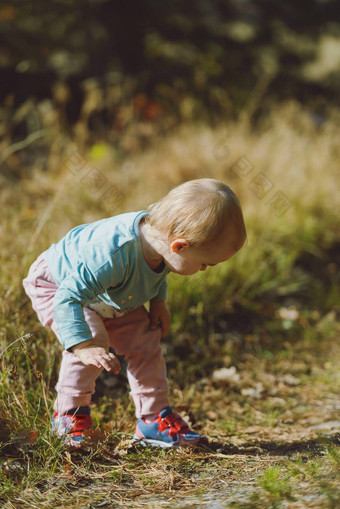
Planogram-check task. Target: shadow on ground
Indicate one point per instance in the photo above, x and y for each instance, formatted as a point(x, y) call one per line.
point(273, 448)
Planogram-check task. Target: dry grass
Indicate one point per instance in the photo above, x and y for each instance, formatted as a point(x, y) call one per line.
point(263, 451)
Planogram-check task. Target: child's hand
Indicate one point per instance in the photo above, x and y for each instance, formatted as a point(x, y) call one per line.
point(96, 353)
point(159, 316)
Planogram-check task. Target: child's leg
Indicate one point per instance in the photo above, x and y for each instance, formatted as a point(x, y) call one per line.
point(75, 384)
point(76, 381)
point(131, 336)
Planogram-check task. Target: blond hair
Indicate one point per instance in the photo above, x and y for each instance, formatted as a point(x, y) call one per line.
point(198, 210)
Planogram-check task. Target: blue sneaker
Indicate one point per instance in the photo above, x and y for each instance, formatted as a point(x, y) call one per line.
point(168, 430)
point(71, 427)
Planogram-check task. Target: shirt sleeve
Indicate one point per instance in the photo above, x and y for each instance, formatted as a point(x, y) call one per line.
point(163, 291)
point(76, 291)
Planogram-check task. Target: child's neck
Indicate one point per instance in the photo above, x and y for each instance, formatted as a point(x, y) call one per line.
point(149, 243)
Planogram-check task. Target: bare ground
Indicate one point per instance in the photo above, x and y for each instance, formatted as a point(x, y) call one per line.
point(274, 437)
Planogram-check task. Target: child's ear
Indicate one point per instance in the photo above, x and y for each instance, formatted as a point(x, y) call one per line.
point(178, 245)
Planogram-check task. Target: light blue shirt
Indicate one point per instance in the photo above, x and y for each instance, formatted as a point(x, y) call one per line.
point(102, 261)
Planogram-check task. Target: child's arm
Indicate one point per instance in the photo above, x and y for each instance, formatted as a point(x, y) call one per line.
point(91, 277)
point(95, 352)
point(159, 316)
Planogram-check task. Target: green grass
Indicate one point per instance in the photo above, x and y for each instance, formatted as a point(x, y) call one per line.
point(259, 455)
point(274, 483)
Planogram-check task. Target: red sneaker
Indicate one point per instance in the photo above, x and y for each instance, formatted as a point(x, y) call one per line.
point(168, 430)
point(71, 427)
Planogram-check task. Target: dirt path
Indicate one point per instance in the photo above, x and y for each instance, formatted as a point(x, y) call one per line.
point(274, 441)
point(281, 448)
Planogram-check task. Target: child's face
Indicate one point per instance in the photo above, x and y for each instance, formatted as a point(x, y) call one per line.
point(187, 260)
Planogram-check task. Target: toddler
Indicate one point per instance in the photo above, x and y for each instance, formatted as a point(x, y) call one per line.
point(90, 288)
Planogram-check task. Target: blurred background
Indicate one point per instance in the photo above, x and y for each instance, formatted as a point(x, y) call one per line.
point(106, 105)
point(93, 68)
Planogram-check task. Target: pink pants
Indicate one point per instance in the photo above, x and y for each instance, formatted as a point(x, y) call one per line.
point(128, 335)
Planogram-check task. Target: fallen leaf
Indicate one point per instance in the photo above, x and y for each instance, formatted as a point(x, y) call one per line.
point(289, 380)
point(24, 438)
point(226, 375)
point(252, 392)
point(211, 415)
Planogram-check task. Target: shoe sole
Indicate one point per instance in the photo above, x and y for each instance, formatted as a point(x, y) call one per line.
point(145, 442)
point(164, 445)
